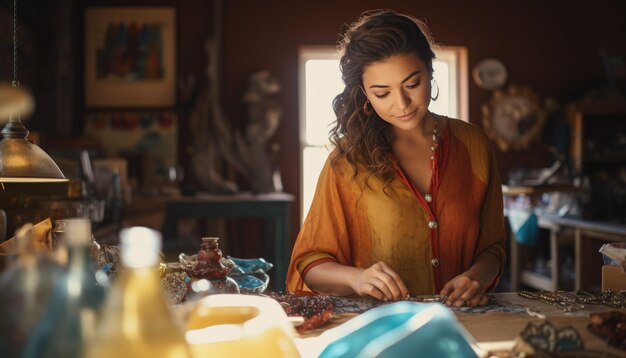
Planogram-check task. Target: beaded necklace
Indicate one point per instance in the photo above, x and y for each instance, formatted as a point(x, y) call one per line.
point(433, 148)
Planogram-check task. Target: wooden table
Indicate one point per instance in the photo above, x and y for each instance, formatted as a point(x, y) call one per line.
point(492, 331)
point(274, 209)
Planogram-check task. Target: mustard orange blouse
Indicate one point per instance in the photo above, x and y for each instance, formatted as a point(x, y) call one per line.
point(426, 243)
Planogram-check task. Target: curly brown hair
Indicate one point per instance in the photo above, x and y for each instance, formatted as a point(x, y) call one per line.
point(364, 139)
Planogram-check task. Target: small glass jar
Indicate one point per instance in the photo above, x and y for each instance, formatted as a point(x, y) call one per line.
point(209, 269)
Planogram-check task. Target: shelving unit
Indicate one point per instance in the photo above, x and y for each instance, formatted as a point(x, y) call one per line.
point(586, 237)
point(584, 118)
point(598, 158)
point(522, 258)
point(519, 255)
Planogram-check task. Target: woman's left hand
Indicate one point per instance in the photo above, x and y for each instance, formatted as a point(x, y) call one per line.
point(464, 290)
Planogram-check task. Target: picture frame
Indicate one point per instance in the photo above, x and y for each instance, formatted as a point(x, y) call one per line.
point(130, 57)
point(149, 132)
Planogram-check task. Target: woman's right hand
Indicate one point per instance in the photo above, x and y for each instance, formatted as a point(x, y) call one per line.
point(380, 282)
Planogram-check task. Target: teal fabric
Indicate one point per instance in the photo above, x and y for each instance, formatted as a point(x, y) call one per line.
point(524, 224)
point(527, 233)
point(402, 329)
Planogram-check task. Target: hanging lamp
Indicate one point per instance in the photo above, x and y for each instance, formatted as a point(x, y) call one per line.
point(20, 160)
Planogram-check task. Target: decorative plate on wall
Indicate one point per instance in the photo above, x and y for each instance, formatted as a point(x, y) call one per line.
point(489, 74)
point(513, 117)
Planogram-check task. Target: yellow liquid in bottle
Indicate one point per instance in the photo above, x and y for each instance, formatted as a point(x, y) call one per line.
point(136, 321)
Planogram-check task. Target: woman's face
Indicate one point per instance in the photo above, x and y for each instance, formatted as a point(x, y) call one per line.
point(399, 89)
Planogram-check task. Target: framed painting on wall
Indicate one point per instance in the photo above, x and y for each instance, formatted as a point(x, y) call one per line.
point(130, 57)
point(150, 132)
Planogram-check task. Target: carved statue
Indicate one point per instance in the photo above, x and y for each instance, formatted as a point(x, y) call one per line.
point(211, 136)
point(214, 143)
point(256, 156)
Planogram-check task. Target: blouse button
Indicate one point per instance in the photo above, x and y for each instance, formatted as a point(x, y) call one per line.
point(428, 198)
point(432, 224)
point(435, 262)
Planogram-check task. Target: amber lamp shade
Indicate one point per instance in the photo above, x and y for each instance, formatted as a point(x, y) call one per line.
point(22, 161)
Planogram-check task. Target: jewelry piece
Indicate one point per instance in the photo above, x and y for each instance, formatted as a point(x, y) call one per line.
point(587, 297)
point(435, 145)
point(569, 301)
point(548, 297)
point(427, 298)
point(563, 300)
point(527, 294)
point(612, 299)
point(433, 148)
point(547, 338)
point(366, 108)
point(434, 84)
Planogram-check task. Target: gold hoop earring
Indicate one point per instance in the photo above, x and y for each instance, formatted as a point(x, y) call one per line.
point(366, 108)
point(434, 84)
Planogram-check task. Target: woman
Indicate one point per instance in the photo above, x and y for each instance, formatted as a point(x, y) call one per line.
point(409, 202)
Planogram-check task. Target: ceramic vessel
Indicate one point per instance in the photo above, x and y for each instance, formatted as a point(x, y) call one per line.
point(251, 274)
point(209, 270)
point(239, 325)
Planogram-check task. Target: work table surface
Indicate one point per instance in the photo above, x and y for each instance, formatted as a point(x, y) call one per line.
point(494, 329)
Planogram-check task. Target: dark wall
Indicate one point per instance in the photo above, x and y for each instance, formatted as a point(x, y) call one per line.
point(552, 46)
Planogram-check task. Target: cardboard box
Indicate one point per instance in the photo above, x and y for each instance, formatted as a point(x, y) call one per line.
point(613, 277)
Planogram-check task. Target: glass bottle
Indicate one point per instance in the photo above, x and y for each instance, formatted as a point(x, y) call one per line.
point(59, 246)
point(73, 310)
point(136, 321)
point(25, 288)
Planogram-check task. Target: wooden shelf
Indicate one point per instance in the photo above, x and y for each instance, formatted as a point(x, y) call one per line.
point(538, 281)
point(602, 228)
point(595, 121)
point(536, 190)
point(587, 236)
point(584, 115)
